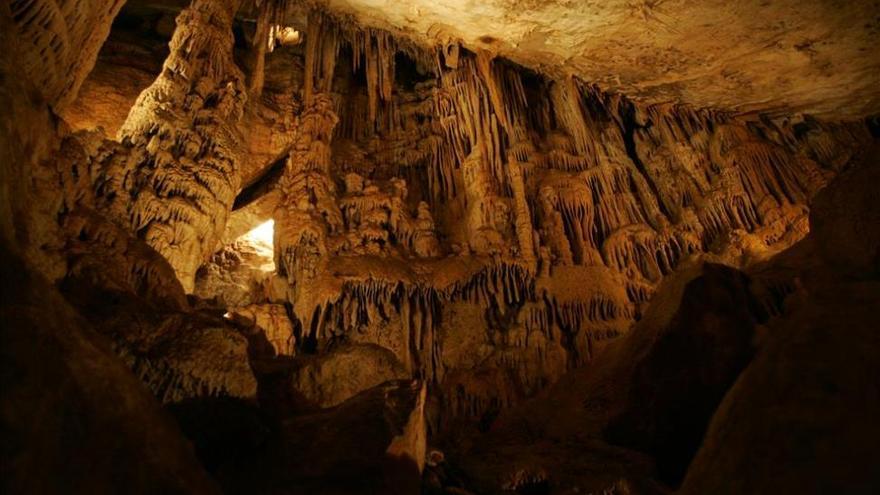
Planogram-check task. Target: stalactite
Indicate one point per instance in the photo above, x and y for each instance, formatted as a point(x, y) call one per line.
point(322, 47)
point(543, 216)
point(566, 98)
point(270, 17)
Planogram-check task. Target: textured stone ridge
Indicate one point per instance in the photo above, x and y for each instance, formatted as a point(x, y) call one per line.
point(62, 39)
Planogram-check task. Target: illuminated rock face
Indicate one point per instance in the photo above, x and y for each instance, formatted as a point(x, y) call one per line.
point(175, 177)
point(494, 228)
point(488, 226)
point(425, 235)
point(782, 56)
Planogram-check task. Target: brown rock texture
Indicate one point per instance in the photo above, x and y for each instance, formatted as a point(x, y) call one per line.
point(785, 55)
point(61, 41)
point(686, 369)
point(819, 390)
point(808, 400)
point(845, 219)
point(71, 409)
point(175, 175)
point(341, 373)
point(374, 442)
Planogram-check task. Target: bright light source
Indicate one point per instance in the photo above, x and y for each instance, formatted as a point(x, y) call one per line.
point(227, 315)
point(262, 238)
point(283, 35)
point(263, 234)
point(288, 36)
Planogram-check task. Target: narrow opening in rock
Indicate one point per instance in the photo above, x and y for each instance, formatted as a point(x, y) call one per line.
point(261, 238)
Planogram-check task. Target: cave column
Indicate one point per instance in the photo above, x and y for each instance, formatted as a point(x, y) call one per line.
point(522, 216)
point(307, 212)
point(182, 173)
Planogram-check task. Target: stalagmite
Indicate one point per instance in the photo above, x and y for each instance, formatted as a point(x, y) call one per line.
point(174, 180)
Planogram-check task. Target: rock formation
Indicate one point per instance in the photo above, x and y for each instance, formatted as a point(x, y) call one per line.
point(179, 162)
point(372, 258)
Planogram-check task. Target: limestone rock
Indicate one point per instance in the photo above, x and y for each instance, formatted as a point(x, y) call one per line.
point(343, 372)
point(61, 42)
point(683, 369)
point(272, 322)
point(186, 168)
point(818, 435)
point(374, 442)
point(177, 351)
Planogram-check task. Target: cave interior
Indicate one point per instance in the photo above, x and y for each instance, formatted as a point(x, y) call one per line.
point(447, 247)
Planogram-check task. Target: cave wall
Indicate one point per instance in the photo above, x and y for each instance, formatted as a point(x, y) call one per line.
point(489, 226)
point(75, 419)
point(438, 214)
point(61, 215)
point(494, 228)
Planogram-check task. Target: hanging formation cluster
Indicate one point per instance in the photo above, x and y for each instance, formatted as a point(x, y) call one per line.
point(492, 227)
point(442, 214)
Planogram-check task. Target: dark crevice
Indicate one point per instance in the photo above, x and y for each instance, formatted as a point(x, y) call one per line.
point(629, 125)
point(873, 123)
point(262, 184)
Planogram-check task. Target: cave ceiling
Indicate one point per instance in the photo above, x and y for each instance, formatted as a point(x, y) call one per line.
point(771, 56)
point(754, 55)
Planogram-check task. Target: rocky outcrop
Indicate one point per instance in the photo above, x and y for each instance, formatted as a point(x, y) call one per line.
point(681, 370)
point(845, 217)
point(269, 321)
point(177, 354)
point(381, 431)
point(75, 419)
point(638, 411)
point(374, 442)
point(803, 407)
point(343, 372)
point(809, 397)
point(237, 275)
